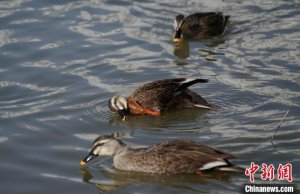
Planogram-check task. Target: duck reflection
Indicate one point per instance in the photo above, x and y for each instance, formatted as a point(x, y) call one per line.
point(107, 181)
point(102, 185)
point(181, 49)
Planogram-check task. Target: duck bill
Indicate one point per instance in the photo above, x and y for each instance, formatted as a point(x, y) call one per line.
point(123, 114)
point(177, 36)
point(87, 159)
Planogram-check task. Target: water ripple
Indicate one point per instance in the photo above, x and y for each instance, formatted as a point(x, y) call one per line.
point(98, 110)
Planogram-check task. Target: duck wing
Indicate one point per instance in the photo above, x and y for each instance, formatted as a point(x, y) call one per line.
point(176, 157)
point(185, 145)
point(166, 83)
point(156, 95)
point(189, 99)
point(204, 24)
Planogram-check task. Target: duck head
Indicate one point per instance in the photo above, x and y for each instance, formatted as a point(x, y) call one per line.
point(119, 104)
point(177, 27)
point(107, 145)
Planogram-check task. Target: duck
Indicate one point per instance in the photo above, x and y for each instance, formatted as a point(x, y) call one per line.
point(158, 96)
point(170, 157)
point(199, 26)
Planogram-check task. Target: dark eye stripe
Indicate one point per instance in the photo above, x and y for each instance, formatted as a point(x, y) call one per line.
point(99, 144)
point(115, 101)
point(96, 145)
point(111, 105)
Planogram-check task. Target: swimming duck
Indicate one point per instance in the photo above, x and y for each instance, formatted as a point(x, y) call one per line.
point(154, 97)
point(199, 25)
point(171, 157)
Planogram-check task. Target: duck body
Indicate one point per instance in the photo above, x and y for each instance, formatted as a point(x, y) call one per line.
point(162, 95)
point(200, 25)
point(171, 157)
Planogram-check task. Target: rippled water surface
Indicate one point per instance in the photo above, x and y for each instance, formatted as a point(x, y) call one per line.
point(62, 60)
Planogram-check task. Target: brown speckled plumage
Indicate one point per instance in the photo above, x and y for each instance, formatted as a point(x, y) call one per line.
point(167, 94)
point(171, 157)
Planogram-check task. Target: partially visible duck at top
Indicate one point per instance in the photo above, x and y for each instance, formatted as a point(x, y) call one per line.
point(158, 96)
point(199, 26)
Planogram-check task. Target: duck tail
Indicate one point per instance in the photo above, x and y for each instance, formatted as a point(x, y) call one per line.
point(188, 82)
point(232, 169)
point(203, 106)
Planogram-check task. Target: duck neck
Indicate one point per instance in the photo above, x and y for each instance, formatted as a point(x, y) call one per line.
point(123, 147)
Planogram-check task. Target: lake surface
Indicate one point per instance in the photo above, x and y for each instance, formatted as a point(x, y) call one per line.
point(62, 60)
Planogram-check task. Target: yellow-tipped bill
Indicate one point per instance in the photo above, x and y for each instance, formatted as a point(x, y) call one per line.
point(177, 35)
point(177, 40)
point(82, 163)
point(124, 118)
point(87, 159)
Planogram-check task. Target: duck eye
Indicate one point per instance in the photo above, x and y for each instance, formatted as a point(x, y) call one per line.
point(99, 144)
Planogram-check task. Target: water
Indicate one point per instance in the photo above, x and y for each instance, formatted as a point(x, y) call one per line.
point(62, 60)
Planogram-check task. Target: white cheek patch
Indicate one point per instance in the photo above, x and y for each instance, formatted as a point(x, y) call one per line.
point(103, 151)
point(97, 151)
point(106, 151)
point(213, 165)
point(119, 105)
point(114, 102)
point(180, 24)
point(112, 105)
point(175, 25)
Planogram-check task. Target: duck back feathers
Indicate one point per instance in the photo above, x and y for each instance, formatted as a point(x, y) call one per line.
point(173, 157)
point(203, 25)
point(167, 94)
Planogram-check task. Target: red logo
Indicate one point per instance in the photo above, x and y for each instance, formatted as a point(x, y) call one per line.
point(284, 172)
point(251, 171)
point(268, 172)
